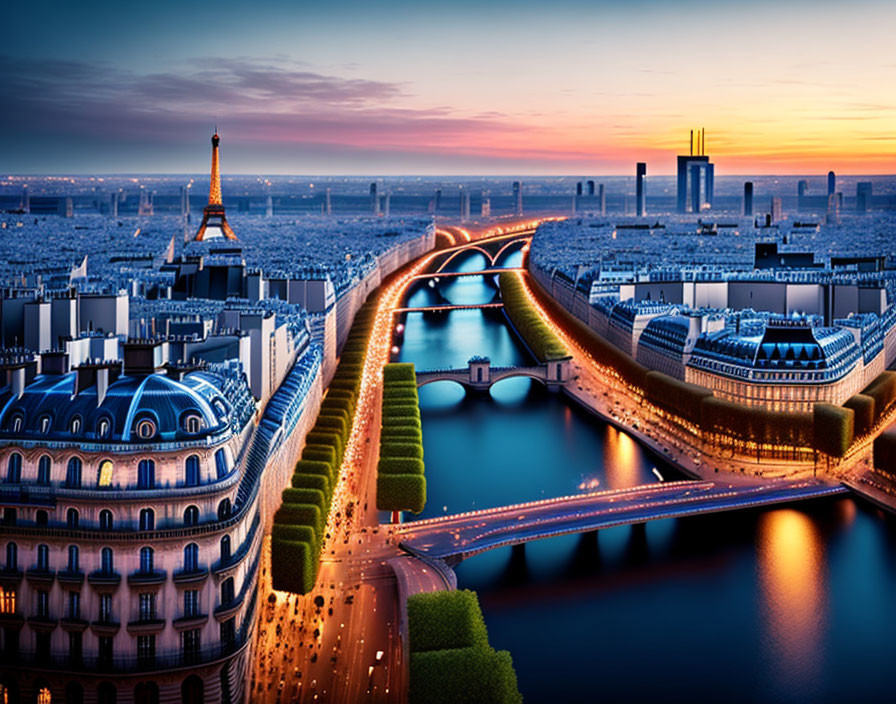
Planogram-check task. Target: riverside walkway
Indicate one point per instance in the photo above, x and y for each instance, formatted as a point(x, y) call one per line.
point(455, 538)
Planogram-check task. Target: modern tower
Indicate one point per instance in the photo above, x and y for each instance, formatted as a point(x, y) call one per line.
point(748, 199)
point(696, 176)
point(602, 200)
point(518, 197)
point(591, 188)
point(214, 222)
point(374, 199)
point(832, 182)
point(863, 196)
point(641, 189)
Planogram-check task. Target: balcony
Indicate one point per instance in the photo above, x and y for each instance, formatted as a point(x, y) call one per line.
point(185, 622)
point(105, 628)
point(146, 626)
point(70, 577)
point(13, 619)
point(225, 611)
point(196, 576)
point(73, 624)
point(42, 623)
point(104, 579)
point(148, 578)
point(40, 577)
point(12, 577)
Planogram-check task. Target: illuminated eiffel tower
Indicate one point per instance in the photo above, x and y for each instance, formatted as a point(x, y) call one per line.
point(214, 223)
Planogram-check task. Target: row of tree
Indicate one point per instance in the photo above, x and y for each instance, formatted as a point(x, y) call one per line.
point(301, 521)
point(538, 336)
point(400, 480)
point(451, 659)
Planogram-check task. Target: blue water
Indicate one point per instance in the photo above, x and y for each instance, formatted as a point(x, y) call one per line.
point(795, 604)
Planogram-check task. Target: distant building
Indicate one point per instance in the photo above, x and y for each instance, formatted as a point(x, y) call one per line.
point(696, 178)
point(802, 188)
point(602, 200)
point(517, 197)
point(374, 199)
point(863, 196)
point(214, 221)
point(832, 216)
point(832, 183)
point(591, 188)
point(748, 199)
point(641, 189)
point(777, 210)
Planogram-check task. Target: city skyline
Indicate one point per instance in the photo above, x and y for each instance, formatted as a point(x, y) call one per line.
point(450, 89)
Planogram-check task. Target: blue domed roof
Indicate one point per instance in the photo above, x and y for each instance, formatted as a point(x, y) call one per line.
point(140, 409)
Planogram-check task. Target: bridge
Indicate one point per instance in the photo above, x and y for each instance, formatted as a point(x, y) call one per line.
point(480, 375)
point(455, 538)
point(459, 274)
point(447, 306)
point(492, 249)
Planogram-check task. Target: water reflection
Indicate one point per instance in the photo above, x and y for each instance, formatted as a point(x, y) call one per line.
point(792, 585)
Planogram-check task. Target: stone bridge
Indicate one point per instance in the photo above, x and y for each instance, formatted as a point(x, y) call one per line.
point(481, 375)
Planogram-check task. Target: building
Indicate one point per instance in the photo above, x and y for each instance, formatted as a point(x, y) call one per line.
point(517, 198)
point(832, 183)
point(640, 189)
point(863, 196)
point(696, 177)
point(214, 221)
point(748, 199)
point(776, 210)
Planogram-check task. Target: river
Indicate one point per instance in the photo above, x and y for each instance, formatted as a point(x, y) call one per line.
point(796, 604)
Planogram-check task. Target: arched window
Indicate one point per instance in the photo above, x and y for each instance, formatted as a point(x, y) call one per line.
point(192, 691)
point(146, 474)
point(14, 468)
point(72, 518)
point(145, 429)
point(41, 517)
point(224, 509)
point(43, 558)
point(191, 471)
point(72, 558)
point(146, 556)
point(221, 463)
point(192, 423)
point(104, 474)
point(191, 557)
point(147, 519)
point(17, 422)
point(106, 520)
point(146, 693)
point(227, 591)
point(12, 556)
point(225, 549)
point(44, 424)
point(75, 425)
point(106, 693)
point(74, 693)
point(191, 516)
point(44, 465)
point(44, 696)
point(73, 473)
point(103, 428)
point(106, 564)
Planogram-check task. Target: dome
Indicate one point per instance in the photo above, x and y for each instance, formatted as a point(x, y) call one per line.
point(139, 409)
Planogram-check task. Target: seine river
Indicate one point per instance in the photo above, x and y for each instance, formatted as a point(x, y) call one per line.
point(784, 605)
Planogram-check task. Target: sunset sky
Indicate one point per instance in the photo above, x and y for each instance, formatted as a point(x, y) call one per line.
point(383, 87)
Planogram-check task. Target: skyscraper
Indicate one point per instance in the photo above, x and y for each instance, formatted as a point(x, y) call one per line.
point(777, 209)
point(374, 199)
point(863, 196)
point(748, 199)
point(696, 177)
point(518, 197)
point(214, 222)
point(832, 217)
point(641, 189)
point(832, 182)
point(579, 188)
point(802, 188)
point(464, 203)
point(602, 199)
point(591, 188)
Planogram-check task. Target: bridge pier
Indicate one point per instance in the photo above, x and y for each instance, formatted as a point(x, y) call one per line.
point(636, 551)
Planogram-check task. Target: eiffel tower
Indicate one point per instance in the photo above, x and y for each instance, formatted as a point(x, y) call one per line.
point(214, 223)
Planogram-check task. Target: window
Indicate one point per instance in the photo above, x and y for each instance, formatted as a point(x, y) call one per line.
point(104, 475)
point(224, 509)
point(74, 605)
point(43, 558)
point(43, 603)
point(44, 464)
point(10, 516)
point(42, 648)
point(146, 560)
point(44, 424)
point(104, 650)
point(75, 647)
point(225, 549)
point(73, 473)
point(106, 565)
point(74, 693)
point(191, 471)
point(221, 463)
point(105, 608)
point(146, 474)
point(228, 632)
point(191, 516)
point(12, 556)
point(41, 517)
point(146, 648)
point(7, 600)
point(146, 429)
point(14, 468)
point(227, 591)
point(106, 520)
point(106, 692)
point(192, 423)
point(43, 695)
point(191, 602)
point(148, 606)
point(72, 517)
point(190, 643)
point(191, 557)
point(146, 693)
point(17, 422)
point(75, 425)
point(72, 558)
point(147, 519)
point(103, 428)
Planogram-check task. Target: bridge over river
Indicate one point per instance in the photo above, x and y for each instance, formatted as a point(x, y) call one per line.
point(454, 538)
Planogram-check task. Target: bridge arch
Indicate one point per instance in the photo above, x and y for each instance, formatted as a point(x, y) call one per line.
point(465, 251)
point(462, 377)
point(509, 248)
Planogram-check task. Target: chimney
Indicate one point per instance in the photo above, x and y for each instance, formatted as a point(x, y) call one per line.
point(56, 362)
point(85, 377)
point(16, 380)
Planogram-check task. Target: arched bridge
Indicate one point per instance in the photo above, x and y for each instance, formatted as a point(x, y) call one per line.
point(454, 538)
point(481, 375)
point(492, 250)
